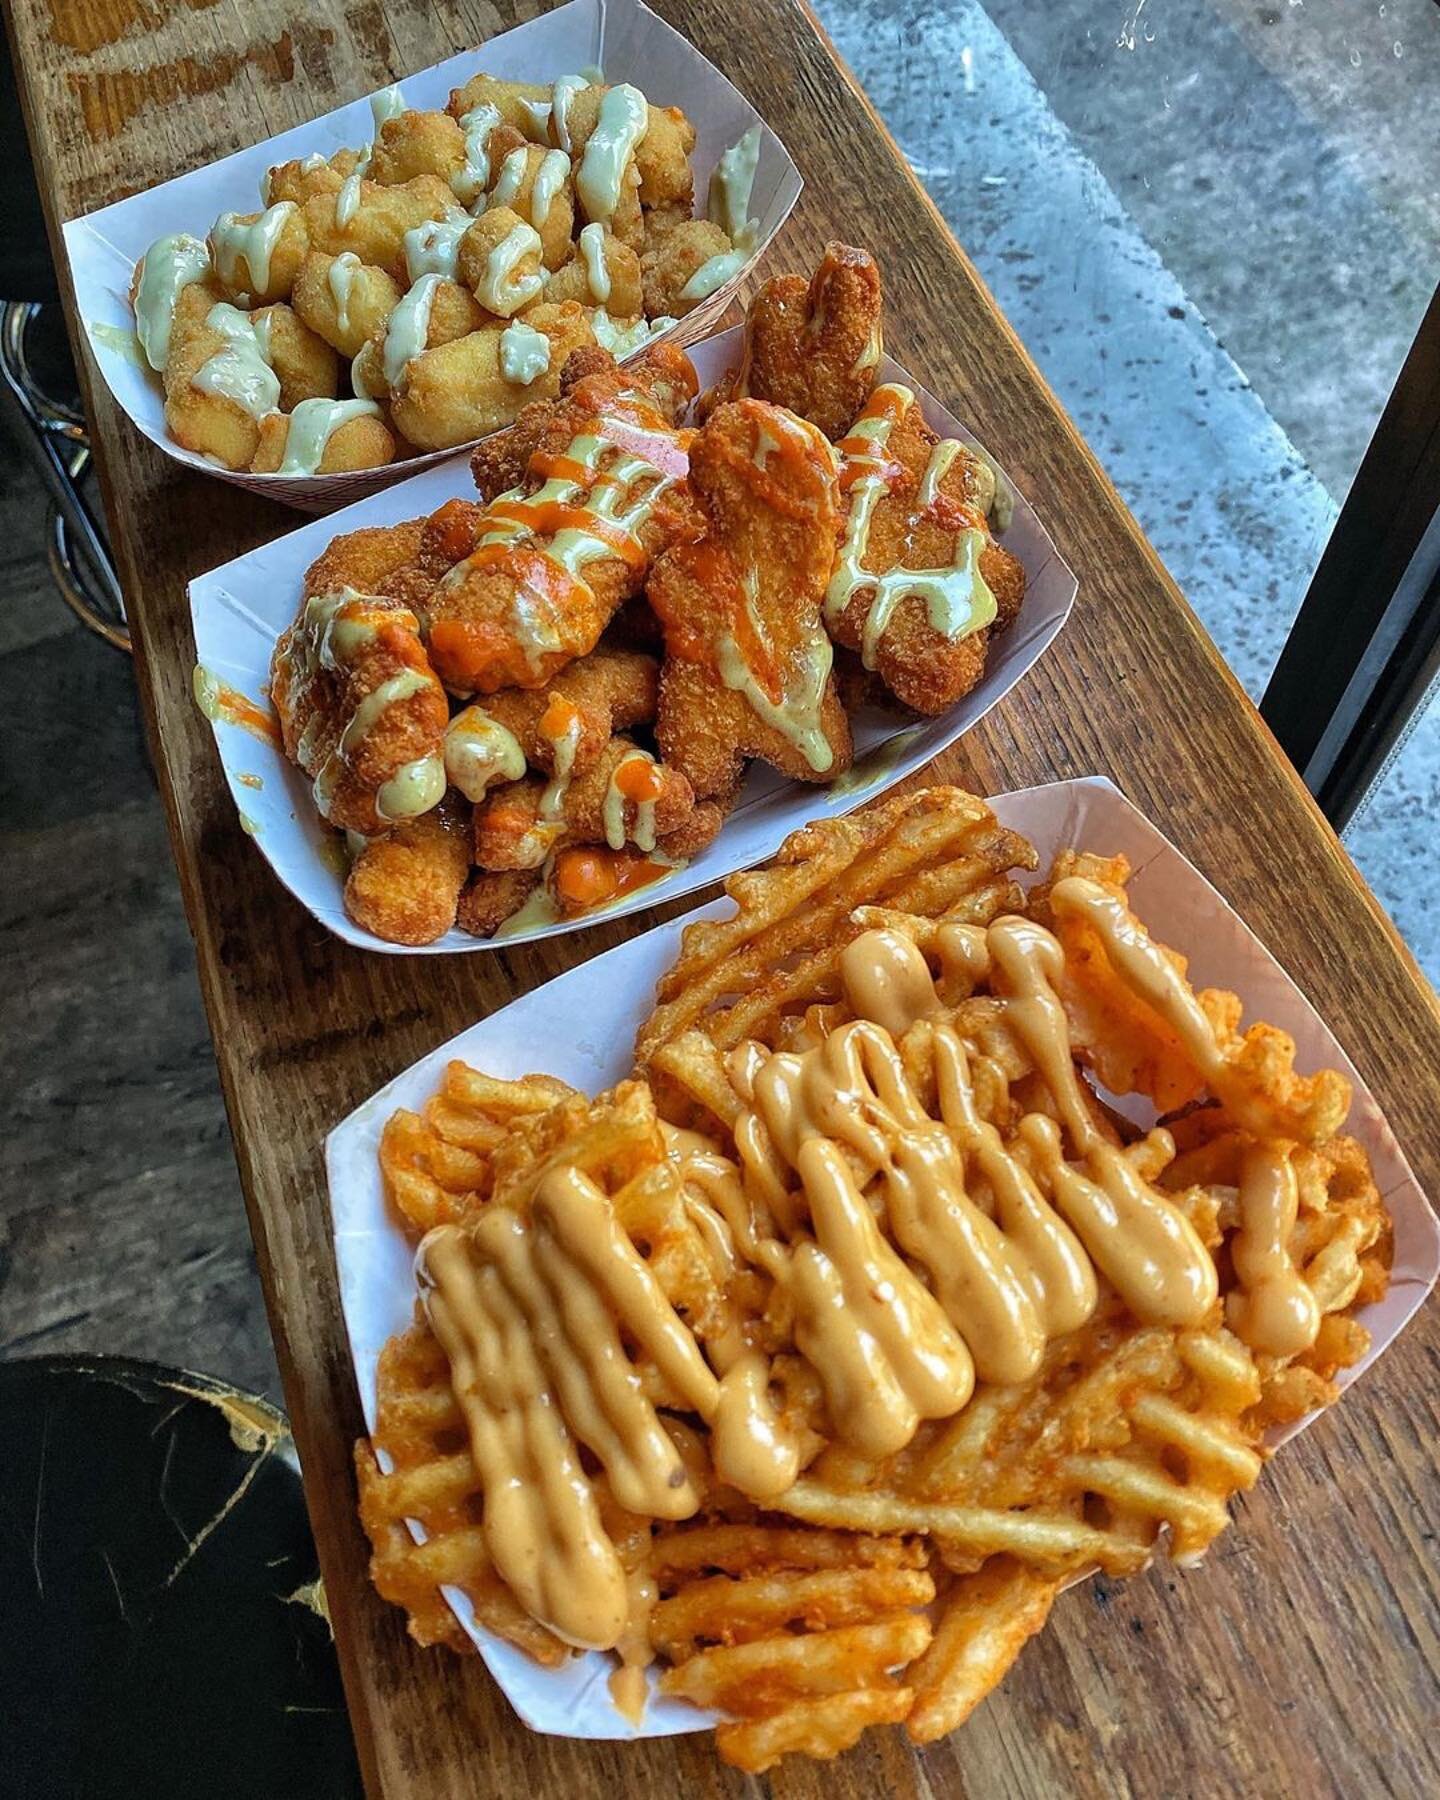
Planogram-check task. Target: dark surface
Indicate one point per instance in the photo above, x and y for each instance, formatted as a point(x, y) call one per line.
point(164, 1628)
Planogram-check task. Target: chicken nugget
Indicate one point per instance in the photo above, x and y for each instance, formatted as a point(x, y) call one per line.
point(686, 266)
point(748, 659)
point(600, 271)
point(625, 796)
point(304, 364)
point(305, 176)
point(561, 729)
point(702, 828)
point(815, 347)
point(461, 390)
point(405, 886)
point(492, 896)
point(360, 710)
point(256, 256)
point(920, 584)
point(324, 437)
point(371, 220)
point(365, 559)
point(343, 300)
point(499, 260)
point(535, 185)
point(218, 383)
point(603, 493)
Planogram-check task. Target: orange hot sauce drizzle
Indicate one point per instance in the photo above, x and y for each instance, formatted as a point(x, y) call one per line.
point(239, 709)
point(589, 874)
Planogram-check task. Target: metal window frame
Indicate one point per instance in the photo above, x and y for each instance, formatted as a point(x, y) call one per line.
point(1364, 651)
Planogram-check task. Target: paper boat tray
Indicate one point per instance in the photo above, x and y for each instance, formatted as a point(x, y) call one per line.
point(612, 993)
point(240, 609)
point(627, 40)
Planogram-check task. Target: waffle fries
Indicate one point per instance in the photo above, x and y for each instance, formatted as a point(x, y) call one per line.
point(986, 1334)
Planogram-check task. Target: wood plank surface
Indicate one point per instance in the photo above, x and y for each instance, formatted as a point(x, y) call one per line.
point(1304, 1657)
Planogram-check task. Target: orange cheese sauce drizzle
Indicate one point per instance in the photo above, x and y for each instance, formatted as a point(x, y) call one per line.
point(918, 1252)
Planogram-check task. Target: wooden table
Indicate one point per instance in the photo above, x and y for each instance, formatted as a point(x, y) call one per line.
point(1303, 1658)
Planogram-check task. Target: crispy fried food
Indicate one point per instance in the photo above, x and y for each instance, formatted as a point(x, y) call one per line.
point(877, 1298)
point(218, 384)
point(360, 710)
point(492, 896)
point(304, 364)
point(499, 260)
point(343, 300)
point(624, 796)
point(255, 256)
point(419, 143)
point(365, 560)
point(670, 262)
point(535, 183)
point(375, 230)
point(459, 390)
point(346, 434)
point(814, 347)
point(748, 669)
point(305, 176)
point(600, 271)
point(405, 886)
point(522, 105)
point(562, 728)
point(920, 585)
point(555, 562)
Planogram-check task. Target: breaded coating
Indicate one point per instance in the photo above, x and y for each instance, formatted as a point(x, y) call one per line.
point(499, 260)
point(365, 559)
point(514, 613)
point(748, 663)
point(343, 300)
point(524, 105)
point(363, 442)
point(702, 828)
point(535, 184)
point(256, 267)
point(457, 391)
point(669, 263)
point(662, 159)
point(375, 231)
point(307, 367)
point(813, 348)
point(491, 896)
point(305, 176)
point(581, 117)
point(360, 710)
point(405, 886)
point(206, 419)
point(625, 796)
point(418, 143)
point(916, 504)
point(600, 271)
point(599, 694)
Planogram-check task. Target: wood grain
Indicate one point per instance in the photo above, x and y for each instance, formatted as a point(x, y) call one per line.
point(1305, 1656)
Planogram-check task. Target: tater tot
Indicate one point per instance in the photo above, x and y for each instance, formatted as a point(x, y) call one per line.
point(307, 367)
point(601, 272)
point(375, 231)
point(535, 183)
point(256, 255)
point(418, 143)
point(363, 442)
point(405, 886)
point(221, 416)
point(668, 266)
point(498, 259)
point(458, 391)
point(525, 105)
point(344, 300)
point(306, 176)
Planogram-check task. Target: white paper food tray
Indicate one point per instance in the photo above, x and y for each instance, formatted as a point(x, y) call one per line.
point(623, 37)
point(612, 994)
point(240, 609)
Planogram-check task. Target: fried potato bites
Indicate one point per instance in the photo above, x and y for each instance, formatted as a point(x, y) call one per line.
point(863, 1118)
point(749, 662)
